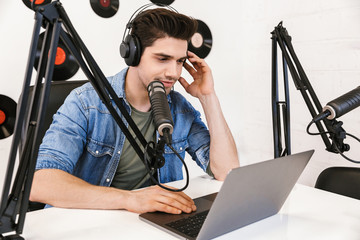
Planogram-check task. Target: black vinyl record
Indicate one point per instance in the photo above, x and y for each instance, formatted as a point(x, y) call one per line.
point(162, 2)
point(105, 8)
point(28, 3)
point(7, 116)
point(65, 63)
point(201, 41)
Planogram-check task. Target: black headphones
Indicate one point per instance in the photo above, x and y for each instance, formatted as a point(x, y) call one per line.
point(130, 47)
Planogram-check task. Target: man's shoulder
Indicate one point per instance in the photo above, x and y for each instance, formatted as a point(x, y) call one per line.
point(116, 82)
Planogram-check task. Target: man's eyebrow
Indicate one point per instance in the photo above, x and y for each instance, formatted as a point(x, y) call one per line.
point(184, 58)
point(169, 56)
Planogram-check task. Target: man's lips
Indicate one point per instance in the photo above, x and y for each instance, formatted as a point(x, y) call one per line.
point(167, 84)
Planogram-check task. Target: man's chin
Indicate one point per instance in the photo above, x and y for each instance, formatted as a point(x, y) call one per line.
point(167, 90)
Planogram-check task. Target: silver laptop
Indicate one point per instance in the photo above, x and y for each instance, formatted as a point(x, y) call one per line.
point(248, 194)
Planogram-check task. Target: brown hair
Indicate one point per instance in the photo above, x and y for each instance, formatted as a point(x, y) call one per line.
point(153, 24)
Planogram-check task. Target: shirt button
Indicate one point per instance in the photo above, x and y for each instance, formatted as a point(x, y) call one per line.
point(107, 180)
point(180, 148)
point(97, 152)
point(118, 152)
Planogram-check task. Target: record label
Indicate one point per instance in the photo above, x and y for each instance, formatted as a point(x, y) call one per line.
point(7, 116)
point(2, 117)
point(28, 3)
point(105, 8)
point(65, 63)
point(105, 3)
point(60, 56)
point(197, 40)
point(201, 41)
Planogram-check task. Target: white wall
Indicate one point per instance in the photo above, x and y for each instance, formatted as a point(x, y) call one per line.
point(326, 38)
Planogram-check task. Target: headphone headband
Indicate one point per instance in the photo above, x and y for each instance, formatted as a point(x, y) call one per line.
point(130, 47)
point(140, 10)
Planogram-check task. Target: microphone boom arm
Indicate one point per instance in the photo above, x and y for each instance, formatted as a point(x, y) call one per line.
point(281, 109)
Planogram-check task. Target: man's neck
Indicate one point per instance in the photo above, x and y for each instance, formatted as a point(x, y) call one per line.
point(136, 92)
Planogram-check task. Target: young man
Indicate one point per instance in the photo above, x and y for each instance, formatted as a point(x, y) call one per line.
point(85, 161)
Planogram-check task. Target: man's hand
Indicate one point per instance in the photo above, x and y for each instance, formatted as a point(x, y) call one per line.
point(155, 198)
point(203, 83)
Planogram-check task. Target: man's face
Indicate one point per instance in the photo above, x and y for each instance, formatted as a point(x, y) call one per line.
point(163, 61)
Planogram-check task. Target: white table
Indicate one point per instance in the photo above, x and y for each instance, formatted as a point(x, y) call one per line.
point(307, 214)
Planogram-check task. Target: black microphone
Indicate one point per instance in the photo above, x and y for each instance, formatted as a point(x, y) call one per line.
point(341, 105)
point(161, 110)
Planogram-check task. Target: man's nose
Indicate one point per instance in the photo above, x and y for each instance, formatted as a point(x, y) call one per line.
point(173, 71)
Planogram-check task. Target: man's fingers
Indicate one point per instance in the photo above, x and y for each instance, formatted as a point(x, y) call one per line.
point(190, 69)
point(191, 54)
point(175, 203)
point(157, 199)
point(161, 207)
point(178, 200)
point(184, 83)
point(199, 66)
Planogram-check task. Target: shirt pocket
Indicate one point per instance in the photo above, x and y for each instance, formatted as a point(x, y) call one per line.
point(97, 149)
point(95, 164)
point(179, 146)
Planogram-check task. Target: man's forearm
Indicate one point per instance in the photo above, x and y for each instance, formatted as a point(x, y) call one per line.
point(223, 153)
point(60, 189)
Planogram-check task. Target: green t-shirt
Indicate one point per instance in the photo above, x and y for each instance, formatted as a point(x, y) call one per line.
point(131, 172)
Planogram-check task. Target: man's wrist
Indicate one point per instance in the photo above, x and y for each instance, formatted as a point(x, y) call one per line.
point(208, 99)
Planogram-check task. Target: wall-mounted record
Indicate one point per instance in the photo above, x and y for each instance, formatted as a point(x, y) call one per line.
point(162, 2)
point(105, 8)
point(7, 116)
point(201, 41)
point(36, 3)
point(65, 63)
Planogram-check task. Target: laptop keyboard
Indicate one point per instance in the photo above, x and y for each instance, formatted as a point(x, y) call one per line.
point(191, 225)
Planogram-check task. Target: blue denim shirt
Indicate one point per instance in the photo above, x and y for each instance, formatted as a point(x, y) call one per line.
point(84, 139)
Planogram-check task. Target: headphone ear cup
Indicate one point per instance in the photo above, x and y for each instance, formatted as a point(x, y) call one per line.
point(124, 49)
point(130, 50)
